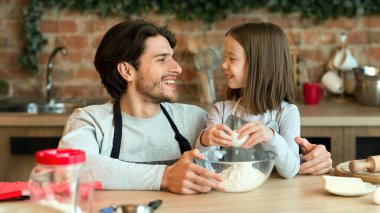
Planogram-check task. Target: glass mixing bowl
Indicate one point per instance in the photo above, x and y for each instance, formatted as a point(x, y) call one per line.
point(242, 169)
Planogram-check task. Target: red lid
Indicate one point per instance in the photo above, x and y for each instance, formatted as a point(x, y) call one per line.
point(60, 156)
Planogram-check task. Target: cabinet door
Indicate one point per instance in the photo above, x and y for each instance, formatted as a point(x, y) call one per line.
point(361, 142)
point(335, 136)
point(17, 167)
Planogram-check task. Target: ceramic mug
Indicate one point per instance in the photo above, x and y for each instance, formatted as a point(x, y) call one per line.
point(344, 60)
point(333, 82)
point(312, 93)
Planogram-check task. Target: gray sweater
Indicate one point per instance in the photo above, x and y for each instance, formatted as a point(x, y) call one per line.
point(143, 140)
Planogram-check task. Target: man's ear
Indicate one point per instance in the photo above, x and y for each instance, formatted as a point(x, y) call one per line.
point(125, 70)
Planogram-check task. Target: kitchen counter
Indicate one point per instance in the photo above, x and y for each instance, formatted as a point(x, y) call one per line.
point(337, 112)
point(341, 123)
point(327, 113)
point(15, 119)
point(299, 194)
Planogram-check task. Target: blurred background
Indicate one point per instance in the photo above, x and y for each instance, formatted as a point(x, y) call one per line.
point(79, 28)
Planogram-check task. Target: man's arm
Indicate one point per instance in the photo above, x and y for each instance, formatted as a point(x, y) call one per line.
point(83, 131)
point(316, 159)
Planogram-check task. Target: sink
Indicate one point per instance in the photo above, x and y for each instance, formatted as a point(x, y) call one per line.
point(33, 108)
point(58, 108)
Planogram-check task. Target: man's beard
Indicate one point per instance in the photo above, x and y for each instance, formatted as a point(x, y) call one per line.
point(153, 91)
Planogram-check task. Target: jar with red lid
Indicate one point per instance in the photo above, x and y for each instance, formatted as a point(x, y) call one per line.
point(61, 180)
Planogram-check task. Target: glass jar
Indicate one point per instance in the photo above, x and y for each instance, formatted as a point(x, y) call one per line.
point(60, 180)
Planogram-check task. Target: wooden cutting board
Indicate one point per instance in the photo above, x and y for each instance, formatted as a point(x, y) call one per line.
point(343, 170)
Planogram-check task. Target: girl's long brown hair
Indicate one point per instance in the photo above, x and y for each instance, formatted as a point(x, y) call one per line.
point(269, 79)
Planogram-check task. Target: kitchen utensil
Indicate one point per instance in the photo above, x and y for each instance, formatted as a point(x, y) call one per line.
point(343, 170)
point(311, 93)
point(242, 169)
point(207, 60)
point(349, 82)
point(333, 82)
point(129, 208)
point(346, 186)
point(367, 85)
point(343, 59)
point(372, 164)
point(368, 189)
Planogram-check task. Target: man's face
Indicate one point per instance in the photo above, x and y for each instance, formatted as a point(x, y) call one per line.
point(155, 78)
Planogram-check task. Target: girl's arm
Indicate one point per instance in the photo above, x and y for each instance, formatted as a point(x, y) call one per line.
point(283, 144)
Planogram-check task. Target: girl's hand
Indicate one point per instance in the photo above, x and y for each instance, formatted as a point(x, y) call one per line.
point(258, 133)
point(217, 135)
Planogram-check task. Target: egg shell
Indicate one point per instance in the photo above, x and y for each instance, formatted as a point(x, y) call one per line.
point(236, 141)
point(376, 196)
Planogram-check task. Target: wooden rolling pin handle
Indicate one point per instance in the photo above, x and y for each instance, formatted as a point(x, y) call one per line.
point(356, 166)
point(372, 164)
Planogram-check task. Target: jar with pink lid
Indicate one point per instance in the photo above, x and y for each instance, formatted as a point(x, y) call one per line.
point(61, 180)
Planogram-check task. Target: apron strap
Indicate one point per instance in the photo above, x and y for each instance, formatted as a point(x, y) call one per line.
point(235, 106)
point(273, 122)
point(118, 130)
point(184, 144)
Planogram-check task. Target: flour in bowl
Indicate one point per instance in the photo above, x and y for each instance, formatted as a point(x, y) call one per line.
point(241, 177)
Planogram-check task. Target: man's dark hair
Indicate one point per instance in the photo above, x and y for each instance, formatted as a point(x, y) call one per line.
point(125, 42)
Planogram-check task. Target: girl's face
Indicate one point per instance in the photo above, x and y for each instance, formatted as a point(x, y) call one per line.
point(235, 63)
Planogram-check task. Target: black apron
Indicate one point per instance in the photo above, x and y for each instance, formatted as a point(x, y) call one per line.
point(184, 144)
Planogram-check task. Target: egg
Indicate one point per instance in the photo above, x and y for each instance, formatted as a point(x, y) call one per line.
point(376, 196)
point(236, 141)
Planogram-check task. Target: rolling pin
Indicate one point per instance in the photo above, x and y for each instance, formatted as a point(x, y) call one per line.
point(372, 164)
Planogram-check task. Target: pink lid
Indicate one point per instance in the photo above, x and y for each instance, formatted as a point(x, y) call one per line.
point(60, 156)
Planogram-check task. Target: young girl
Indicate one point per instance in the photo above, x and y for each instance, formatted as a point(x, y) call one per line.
point(258, 68)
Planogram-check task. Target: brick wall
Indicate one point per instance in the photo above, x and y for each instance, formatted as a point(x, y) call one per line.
point(75, 77)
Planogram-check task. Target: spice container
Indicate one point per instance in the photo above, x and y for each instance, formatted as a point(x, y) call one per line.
point(61, 180)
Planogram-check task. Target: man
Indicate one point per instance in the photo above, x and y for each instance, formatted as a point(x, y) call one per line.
point(140, 140)
point(316, 159)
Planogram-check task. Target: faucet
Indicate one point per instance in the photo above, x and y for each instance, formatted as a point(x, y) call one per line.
point(50, 66)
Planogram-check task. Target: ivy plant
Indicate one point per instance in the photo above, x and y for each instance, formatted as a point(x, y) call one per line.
point(206, 10)
point(4, 86)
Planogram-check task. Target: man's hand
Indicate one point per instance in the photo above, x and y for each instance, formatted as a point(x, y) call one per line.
point(317, 160)
point(186, 177)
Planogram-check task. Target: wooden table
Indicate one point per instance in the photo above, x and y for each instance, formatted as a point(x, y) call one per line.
point(299, 194)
